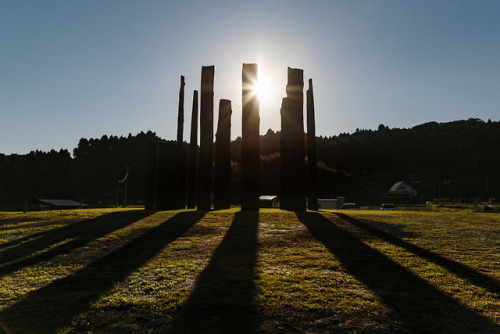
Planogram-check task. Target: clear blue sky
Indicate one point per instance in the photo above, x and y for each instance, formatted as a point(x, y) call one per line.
point(73, 69)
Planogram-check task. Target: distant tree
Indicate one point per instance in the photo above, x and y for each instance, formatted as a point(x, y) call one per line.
point(100, 163)
point(461, 158)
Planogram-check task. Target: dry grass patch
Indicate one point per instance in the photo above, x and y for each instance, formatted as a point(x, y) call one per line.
point(129, 271)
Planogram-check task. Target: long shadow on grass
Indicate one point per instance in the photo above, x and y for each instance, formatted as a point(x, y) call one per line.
point(421, 307)
point(18, 218)
point(27, 226)
point(223, 298)
point(80, 234)
point(453, 266)
point(52, 307)
point(18, 241)
point(37, 235)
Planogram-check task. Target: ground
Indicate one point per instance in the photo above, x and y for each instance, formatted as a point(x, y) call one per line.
point(363, 271)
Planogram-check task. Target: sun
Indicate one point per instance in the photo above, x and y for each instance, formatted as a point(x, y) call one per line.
point(262, 88)
point(267, 88)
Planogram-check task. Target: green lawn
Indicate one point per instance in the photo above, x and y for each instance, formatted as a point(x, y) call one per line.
point(137, 271)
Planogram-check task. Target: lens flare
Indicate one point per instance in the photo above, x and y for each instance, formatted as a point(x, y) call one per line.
point(262, 88)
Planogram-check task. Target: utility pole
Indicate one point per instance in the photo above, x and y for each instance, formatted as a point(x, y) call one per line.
point(125, 180)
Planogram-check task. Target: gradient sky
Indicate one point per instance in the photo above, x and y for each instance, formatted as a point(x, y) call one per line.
point(82, 69)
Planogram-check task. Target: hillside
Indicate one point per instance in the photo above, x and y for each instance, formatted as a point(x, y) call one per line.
point(456, 160)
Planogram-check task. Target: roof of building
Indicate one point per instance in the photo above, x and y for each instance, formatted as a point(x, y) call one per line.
point(268, 197)
point(397, 185)
point(62, 202)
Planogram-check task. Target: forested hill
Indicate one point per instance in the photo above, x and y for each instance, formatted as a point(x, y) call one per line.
point(459, 159)
point(91, 175)
point(448, 150)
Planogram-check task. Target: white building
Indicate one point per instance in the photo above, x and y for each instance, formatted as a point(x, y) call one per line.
point(401, 190)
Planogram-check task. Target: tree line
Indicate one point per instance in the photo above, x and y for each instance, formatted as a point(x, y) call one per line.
point(454, 160)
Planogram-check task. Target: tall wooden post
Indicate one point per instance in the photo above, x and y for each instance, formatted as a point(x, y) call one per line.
point(193, 155)
point(206, 138)
point(250, 150)
point(312, 170)
point(295, 115)
point(222, 194)
point(180, 114)
point(286, 149)
point(166, 172)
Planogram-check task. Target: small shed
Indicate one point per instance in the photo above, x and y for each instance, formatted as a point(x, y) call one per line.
point(60, 204)
point(269, 201)
point(330, 203)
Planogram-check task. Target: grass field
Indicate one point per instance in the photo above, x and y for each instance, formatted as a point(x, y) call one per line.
point(137, 271)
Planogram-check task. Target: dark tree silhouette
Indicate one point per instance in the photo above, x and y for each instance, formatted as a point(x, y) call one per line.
point(457, 160)
point(152, 176)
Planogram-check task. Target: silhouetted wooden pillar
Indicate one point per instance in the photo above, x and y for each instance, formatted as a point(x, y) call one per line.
point(222, 194)
point(285, 147)
point(181, 176)
point(206, 138)
point(193, 155)
point(180, 115)
point(250, 150)
point(312, 171)
point(166, 170)
point(295, 115)
point(172, 168)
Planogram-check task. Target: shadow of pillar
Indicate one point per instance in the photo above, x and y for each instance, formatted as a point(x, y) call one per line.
point(453, 266)
point(223, 298)
point(25, 252)
point(53, 306)
point(421, 307)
